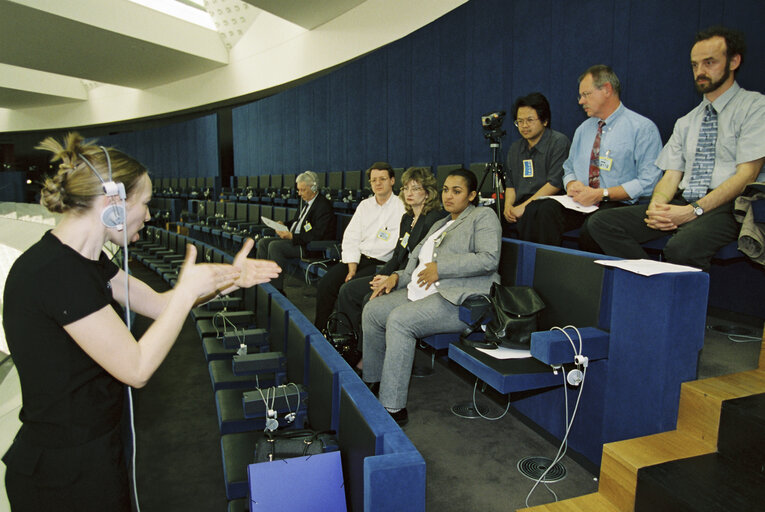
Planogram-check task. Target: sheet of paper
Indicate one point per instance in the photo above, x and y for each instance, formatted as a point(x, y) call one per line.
point(274, 225)
point(569, 203)
point(506, 353)
point(647, 267)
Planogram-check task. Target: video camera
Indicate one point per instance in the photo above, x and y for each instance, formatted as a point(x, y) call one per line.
point(492, 126)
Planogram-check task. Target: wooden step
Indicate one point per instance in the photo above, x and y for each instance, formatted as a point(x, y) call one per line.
point(701, 400)
point(622, 459)
point(697, 429)
point(594, 502)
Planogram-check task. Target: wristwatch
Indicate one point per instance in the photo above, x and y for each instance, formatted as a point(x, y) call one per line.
point(698, 210)
point(605, 194)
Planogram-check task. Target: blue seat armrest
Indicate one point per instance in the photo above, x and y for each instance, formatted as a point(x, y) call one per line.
point(330, 248)
point(553, 348)
point(473, 309)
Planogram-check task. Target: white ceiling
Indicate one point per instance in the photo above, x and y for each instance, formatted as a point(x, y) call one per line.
point(75, 62)
point(48, 47)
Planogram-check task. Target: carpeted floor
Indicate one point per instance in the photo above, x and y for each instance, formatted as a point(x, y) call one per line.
point(471, 463)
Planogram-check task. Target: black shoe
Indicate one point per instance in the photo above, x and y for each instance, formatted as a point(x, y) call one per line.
point(401, 417)
point(374, 387)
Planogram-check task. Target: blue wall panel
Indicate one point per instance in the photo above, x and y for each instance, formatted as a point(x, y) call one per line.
point(187, 149)
point(418, 101)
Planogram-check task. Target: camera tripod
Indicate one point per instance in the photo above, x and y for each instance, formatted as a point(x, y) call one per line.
point(494, 168)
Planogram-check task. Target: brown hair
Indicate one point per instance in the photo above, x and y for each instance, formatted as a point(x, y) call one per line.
point(74, 186)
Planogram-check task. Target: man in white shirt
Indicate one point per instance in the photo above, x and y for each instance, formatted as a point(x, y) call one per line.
point(368, 241)
point(315, 220)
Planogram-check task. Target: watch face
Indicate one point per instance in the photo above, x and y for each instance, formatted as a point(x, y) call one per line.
point(698, 210)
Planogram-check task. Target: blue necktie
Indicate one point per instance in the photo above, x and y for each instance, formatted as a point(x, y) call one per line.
point(704, 162)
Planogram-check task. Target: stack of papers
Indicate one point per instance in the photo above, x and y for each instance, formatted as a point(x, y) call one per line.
point(647, 267)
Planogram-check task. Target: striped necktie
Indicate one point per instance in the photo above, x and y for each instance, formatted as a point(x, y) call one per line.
point(704, 161)
point(594, 180)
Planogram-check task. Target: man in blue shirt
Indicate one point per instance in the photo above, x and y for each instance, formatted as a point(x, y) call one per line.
point(714, 152)
point(611, 162)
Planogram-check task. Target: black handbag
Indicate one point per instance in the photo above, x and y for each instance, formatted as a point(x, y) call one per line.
point(285, 444)
point(514, 314)
point(342, 336)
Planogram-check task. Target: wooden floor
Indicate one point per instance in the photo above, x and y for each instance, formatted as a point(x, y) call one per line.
point(696, 434)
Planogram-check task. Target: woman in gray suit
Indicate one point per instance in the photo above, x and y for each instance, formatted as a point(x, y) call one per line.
point(458, 258)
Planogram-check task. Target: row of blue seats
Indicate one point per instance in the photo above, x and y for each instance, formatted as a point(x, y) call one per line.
point(377, 457)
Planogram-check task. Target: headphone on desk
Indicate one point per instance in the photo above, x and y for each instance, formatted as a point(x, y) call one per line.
point(114, 215)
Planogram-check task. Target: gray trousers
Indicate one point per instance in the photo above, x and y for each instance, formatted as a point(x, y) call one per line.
point(280, 251)
point(392, 324)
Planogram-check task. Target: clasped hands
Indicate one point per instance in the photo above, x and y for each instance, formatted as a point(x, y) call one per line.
point(385, 284)
point(205, 279)
point(668, 217)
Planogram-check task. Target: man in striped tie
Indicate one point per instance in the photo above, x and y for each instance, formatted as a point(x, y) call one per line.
point(714, 152)
point(610, 163)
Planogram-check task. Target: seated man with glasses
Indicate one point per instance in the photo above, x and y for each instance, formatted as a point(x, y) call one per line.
point(369, 240)
point(534, 162)
point(611, 162)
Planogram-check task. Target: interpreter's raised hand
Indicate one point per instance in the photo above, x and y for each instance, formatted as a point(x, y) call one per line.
point(385, 287)
point(428, 276)
point(204, 279)
point(252, 271)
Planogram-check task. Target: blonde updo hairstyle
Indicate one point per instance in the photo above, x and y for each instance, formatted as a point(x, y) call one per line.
point(425, 178)
point(74, 187)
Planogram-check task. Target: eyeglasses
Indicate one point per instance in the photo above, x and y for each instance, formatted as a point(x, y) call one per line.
point(525, 122)
point(411, 189)
point(585, 95)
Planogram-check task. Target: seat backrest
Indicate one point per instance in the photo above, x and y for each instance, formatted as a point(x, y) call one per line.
point(335, 181)
point(298, 330)
point(279, 318)
point(253, 213)
point(280, 214)
point(442, 171)
point(570, 286)
point(353, 180)
point(324, 367)
point(363, 423)
point(263, 300)
point(508, 263)
point(264, 181)
point(241, 211)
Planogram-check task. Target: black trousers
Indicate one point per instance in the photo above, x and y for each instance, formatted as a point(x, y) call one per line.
point(353, 296)
point(90, 477)
point(329, 287)
point(545, 221)
point(620, 233)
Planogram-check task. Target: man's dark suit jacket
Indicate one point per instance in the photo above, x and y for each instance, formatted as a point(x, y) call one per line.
point(321, 218)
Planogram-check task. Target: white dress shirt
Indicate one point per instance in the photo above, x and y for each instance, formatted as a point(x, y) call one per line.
point(373, 230)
